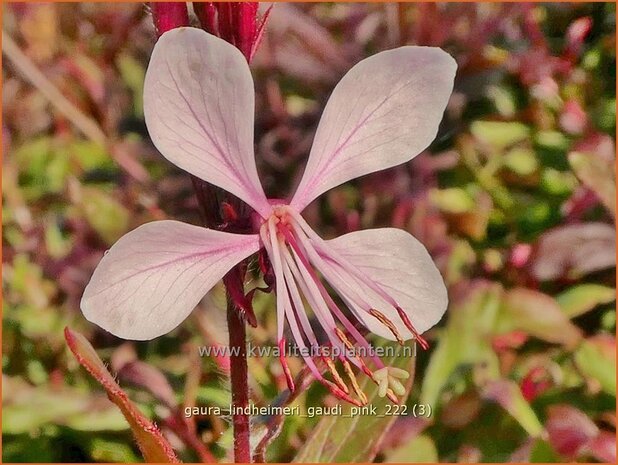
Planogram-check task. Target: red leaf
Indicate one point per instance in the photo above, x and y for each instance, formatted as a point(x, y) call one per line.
point(150, 378)
point(569, 429)
point(603, 447)
point(574, 250)
point(152, 444)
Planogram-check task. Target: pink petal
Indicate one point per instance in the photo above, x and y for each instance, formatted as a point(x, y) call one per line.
point(154, 276)
point(384, 112)
point(199, 108)
point(402, 267)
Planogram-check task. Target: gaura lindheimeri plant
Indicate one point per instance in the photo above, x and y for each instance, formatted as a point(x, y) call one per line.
point(199, 109)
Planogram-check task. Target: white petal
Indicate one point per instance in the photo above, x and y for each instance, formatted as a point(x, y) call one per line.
point(385, 111)
point(154, 276)
point(403, 268)
point(199, 108)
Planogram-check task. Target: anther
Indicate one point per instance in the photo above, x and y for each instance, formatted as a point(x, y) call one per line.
point(340, 394)
point(341, 335)
point(350, 348)
point(357, 390)
point(388, 323)
point(333, 371)
point(406, 321)
point(365, 368)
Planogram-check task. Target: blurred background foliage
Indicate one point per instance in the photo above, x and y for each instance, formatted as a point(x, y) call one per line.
point(515, 200)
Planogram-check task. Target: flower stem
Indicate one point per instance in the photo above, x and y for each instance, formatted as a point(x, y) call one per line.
point(237, 24)
point(240, 387)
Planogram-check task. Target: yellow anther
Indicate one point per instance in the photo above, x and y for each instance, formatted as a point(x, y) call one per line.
point(359, 392)
point(388, 323)
point(333, 371)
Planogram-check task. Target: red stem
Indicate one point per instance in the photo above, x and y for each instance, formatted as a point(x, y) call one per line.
point(240, 387)
point(236, 23)
point(206, 12)
point(169, 15)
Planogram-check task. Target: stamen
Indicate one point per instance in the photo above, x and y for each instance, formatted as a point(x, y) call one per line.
point(275, 255)
point(333, 371)
point(332, 254)
point(290, 251)
point(324, 299)
point(344, 339)
point(284, 365)
point(288, 310)
point(310, 291)
point(345, 264)
point(406, 321)
point(289, 313)
point(339, 393)
point(351, 349)
point(300, 251)
point(388, 323)
point(392, 397)
point(359, 392)
point(297, 304)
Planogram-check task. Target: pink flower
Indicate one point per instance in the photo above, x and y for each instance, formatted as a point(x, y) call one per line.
point(199, 107)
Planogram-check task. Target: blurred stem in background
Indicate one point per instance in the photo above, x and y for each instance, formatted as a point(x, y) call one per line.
point(237, 23)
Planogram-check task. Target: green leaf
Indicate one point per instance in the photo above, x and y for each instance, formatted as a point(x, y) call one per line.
point(27, 414)
point(499, 134)
point(27, 279)
point(133, 73)
point(509, 396)
point(28, 449)
point(557, 182)
point(28, 409)
point(596, 359)
point(37, 322)
point(543, 452)
point(504, 100)
point(91, 155)
point(340, 438)
point(110, 419)
point(553, 140)
point(152, 444)
point(105, 450)
point(538, 315)
point(56, 244)
point(452, 200)
point(465, 340)
point(213, 395)
point(43, 168)
point(605, 116)
point(105, 214)
point(462, 257)
point(584, 297)
point(421, 449)
point(521, 161)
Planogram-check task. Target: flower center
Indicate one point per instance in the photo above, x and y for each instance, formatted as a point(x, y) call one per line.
point(297, 254)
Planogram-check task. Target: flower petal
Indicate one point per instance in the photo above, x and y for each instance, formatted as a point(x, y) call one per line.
point(402, 267)
point(154, 276)
point(199, 108)
point(384, 112)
